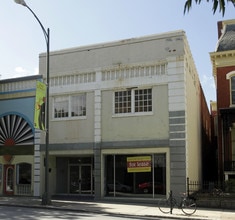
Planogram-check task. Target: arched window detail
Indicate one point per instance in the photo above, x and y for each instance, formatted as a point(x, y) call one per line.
point(9, 179)
point(15, 130)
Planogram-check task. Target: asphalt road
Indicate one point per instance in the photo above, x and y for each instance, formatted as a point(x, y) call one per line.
point(19, 213)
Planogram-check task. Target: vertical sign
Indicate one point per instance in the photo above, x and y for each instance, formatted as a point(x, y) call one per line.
point(40, 106)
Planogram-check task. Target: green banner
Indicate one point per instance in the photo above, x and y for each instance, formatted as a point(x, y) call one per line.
point(40, 106)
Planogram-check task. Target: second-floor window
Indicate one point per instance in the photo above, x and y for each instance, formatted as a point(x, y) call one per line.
point(70, 106)
point(233, 90)
point(133, 101)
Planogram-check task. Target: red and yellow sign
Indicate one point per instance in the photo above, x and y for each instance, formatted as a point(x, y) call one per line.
point(139, 164)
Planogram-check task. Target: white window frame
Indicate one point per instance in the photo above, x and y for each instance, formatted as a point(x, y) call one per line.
point(69, 100)
point(229, 76)
point(133, 112)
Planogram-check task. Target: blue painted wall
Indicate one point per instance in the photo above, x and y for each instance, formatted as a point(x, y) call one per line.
point(20, 106)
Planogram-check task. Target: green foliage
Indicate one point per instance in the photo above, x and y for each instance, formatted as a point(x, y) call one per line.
point(216, 3)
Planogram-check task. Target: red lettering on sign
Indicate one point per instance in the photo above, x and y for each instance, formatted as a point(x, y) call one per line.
point(139, 164)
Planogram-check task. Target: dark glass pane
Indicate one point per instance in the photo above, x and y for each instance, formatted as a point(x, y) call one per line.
point(24, 173)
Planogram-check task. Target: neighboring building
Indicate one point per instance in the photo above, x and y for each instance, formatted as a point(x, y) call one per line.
point(208, 156)
point(19, 143)
point(128, 112)
point(213, 164)
point(223, 61)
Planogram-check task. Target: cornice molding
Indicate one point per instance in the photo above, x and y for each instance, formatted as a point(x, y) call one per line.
point(222, 59)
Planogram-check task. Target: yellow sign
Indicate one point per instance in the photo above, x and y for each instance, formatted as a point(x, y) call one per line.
point(139, 164)
point(40, 106)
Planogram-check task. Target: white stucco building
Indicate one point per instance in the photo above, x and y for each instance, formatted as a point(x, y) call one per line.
point(125, 112)
point(116, 103)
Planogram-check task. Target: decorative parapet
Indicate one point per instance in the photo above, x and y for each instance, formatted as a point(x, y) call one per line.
point(18, 87)
point(134, 71)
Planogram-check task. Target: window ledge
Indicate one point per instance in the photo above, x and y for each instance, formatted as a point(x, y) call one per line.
point(132, 114)
point(69, 118)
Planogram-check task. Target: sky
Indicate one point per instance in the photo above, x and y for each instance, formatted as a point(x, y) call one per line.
point(75, 23)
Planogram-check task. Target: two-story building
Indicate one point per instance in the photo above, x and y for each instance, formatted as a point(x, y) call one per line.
point(126, 119)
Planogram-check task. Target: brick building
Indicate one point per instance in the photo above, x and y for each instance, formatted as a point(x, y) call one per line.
point(223, 61)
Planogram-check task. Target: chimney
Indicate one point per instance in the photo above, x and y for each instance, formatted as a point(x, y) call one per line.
point(220, 28)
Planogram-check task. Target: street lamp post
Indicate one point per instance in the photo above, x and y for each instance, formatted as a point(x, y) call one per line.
point(45, 198)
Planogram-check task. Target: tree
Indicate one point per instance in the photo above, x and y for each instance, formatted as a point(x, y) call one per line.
point(216, 3)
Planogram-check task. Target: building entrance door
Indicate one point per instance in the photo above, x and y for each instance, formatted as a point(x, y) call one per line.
point(80, 179)
point(9, 179)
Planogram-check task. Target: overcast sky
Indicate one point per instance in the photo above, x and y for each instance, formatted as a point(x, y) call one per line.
point(76, 23)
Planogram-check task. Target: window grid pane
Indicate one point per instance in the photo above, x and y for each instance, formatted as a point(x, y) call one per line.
point(122, 102)
point(61, 106)
point(143, 100)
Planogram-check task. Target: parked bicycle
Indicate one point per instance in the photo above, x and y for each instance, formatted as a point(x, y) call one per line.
point(187, 204)
point(217, 192)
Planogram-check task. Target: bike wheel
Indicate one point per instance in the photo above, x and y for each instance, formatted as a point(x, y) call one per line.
point(189, 206)
point(165, 206)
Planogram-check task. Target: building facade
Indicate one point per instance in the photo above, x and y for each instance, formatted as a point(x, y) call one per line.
point(19, 142)
point(125, 118)
point(223, 62)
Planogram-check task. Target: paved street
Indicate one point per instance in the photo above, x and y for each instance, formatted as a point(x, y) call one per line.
point(22, 213)
point(31, 208)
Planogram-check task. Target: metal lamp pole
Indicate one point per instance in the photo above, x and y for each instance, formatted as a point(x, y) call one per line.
point(45, 198)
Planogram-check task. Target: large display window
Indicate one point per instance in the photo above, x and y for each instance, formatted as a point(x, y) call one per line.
point(135, 175)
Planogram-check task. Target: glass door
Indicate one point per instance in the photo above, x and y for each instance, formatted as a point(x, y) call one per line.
point(86, 179)
point(74, 179)
point(80, 179)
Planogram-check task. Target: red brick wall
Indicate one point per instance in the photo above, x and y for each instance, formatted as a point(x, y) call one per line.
point(223, 87)
point(208, 163)
point(223, 101)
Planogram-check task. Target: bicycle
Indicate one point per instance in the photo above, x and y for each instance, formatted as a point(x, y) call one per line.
point(187, 204)
point(217, 192)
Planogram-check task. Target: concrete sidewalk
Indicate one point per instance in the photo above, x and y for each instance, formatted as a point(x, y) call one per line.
point(113, 207)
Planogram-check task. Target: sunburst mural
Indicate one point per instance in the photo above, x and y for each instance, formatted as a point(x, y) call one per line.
point(15, 130)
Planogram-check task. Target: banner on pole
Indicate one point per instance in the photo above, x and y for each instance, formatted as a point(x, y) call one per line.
point(40, 106)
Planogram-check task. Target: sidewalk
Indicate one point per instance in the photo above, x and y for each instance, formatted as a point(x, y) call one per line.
point(112, 207)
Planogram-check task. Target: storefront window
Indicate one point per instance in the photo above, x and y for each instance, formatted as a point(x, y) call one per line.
point(24, 173)
point(140, 175)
